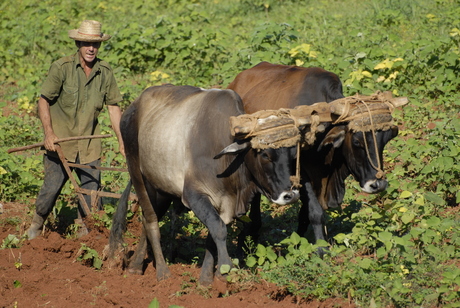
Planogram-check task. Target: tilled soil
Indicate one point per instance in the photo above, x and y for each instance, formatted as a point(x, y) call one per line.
point(45, 272)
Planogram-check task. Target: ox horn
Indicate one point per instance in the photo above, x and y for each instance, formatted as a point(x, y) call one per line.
point(399, 101)
point(339, 107)
point(303, 121)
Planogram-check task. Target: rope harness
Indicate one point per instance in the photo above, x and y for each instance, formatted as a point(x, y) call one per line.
point(295, 179)
point(282, 128)
point(369, 114)
point(380, 173)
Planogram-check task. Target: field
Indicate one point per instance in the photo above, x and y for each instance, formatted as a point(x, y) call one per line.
point(399, 248)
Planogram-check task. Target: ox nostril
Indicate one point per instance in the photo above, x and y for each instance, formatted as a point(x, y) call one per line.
point(375, 185)
point(291, 196)
point(287, 197)
point(379, 185)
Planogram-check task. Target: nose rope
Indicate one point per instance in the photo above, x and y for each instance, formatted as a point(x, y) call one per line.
point(295, 180)
point(380, 173)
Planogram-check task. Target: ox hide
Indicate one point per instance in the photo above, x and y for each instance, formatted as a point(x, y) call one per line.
point(172, 135)
point(338, 151)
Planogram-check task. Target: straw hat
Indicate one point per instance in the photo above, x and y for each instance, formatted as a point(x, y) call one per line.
point(89, 31)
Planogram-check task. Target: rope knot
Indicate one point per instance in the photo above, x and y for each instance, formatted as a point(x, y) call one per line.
point(380, 174)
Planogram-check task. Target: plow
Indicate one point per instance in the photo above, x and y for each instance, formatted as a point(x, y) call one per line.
point(95, 195)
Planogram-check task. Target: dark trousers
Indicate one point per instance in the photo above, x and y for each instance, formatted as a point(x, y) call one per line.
point(56, 177)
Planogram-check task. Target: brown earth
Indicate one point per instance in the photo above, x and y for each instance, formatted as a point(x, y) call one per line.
point(45, 272)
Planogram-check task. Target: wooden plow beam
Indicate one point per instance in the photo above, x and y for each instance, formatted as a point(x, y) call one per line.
point(95, 195)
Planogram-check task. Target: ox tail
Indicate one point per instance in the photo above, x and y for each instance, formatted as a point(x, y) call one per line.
point(119, 222)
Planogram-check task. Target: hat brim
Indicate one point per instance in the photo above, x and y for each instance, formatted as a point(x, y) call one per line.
point(75, 35)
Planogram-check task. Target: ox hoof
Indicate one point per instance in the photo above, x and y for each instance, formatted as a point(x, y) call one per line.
point(135, 271)
point(163, 275)
point(206, 280)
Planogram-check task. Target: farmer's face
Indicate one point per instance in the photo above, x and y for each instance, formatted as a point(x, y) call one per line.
point(88, 50)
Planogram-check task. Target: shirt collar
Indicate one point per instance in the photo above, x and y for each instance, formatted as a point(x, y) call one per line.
point(77, 64)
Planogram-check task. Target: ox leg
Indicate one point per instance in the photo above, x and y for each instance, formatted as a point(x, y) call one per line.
point(152, 230)
point(153, 208)
point(215, 251)
point(217, 238)
point(303, 219)
point(311, 212)
point(136, 263)
point(207, 269)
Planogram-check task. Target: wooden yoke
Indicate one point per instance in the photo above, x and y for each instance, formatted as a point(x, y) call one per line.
point(283, 127)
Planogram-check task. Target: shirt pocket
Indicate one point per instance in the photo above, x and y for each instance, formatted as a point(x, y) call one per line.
point(69, 95)
point(98, 100)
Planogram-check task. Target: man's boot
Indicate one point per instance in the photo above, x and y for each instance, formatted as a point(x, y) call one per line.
point(36, 226)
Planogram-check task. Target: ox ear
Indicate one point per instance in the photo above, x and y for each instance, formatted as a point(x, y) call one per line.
point(394, 131)
point(335, 136)
point(233, 148)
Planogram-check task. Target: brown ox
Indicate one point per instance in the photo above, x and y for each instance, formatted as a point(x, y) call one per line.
point(172, 135)
point(338, 151)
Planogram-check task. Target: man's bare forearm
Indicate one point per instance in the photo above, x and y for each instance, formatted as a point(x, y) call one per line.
point(115, 116)
point(45, 118)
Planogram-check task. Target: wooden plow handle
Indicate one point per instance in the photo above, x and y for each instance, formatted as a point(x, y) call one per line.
point(40, 144)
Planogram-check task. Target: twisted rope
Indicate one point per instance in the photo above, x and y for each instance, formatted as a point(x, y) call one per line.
point(295, 180)
point(380, 173)
point(310, 136)
point(282, 135)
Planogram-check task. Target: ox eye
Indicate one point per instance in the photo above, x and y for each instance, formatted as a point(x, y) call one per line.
point(357, 142)
point(265, 156)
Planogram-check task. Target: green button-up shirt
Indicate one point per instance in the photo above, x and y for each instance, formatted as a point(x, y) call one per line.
point(76, 101)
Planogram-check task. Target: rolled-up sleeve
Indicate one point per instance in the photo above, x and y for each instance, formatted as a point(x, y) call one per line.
point(113, 95)
point(51, 88)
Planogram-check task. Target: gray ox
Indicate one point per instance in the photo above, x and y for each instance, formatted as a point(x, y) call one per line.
point(338, 151)
point(172, 135)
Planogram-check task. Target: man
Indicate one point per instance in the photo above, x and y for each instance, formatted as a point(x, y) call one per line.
point(72, 97)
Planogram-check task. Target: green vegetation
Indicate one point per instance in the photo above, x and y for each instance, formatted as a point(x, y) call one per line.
point(89, 256)
point(156, 304)
point(11, 241)
point(399, 248)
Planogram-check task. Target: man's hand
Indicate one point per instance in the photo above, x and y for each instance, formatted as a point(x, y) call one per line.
point(49, 141)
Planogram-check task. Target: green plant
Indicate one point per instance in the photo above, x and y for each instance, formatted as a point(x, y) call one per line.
point(235, 274)
point(11, 241)
point(156, 304)
point(89, 256)
point(12, 221)
point(18, 263)
point(396, 253)
point(104, 219)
